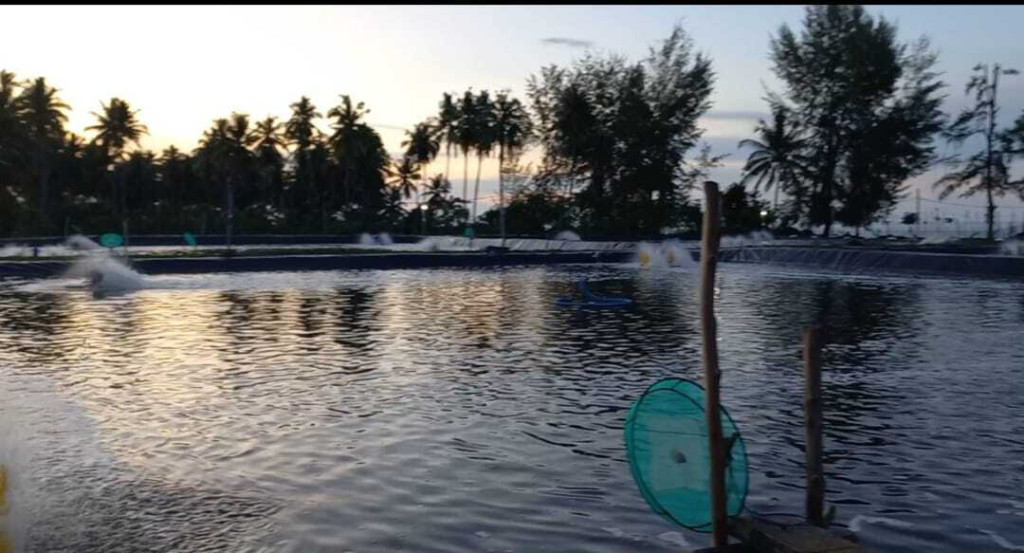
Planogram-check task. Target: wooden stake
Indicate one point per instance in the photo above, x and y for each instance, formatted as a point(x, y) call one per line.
point(712, 410)
point(814, 501)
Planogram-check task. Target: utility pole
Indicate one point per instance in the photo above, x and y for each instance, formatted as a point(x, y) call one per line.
point(917, 221)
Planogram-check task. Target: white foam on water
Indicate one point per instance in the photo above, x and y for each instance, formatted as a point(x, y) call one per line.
point(568, 235)
point(1001, 541)
point(38, 428)
point(858, 521)
point(675, 538)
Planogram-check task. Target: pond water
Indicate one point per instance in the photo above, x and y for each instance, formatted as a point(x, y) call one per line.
point(460, 410)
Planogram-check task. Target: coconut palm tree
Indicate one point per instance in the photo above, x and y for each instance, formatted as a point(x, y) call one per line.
point(484, 138)
point(12, 133)
point(466, 129)
point(116, 127)
point(777, 158)
point(405, 175)
point(513, 129)
point(346, 141)
point(269, 142)
point(42, 113)
point(302, 134)
point(447, 128)
point(422, 144)
point(176, 178)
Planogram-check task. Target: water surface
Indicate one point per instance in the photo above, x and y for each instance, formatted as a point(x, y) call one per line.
point(459, 410)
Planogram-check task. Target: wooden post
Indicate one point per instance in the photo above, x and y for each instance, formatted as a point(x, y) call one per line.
point(814, 501)
point(712, 410)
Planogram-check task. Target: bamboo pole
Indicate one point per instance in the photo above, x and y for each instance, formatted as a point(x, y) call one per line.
point(814, 499)
point(712, 410)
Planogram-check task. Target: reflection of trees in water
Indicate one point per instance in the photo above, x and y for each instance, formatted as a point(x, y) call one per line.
point(652, 337)
point(872, 330)
point(869, 332)
point(356, 314)
point(37, 325)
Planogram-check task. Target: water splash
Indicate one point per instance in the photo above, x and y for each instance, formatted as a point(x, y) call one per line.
point(104, 273)
point(366, 240)
point(384, 239)
point(670, 253)
point(1012, 247)
point(755, 238)
point(568, 235)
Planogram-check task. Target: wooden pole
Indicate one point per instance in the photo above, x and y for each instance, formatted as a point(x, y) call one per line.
point(814, 501)
point(712, 410)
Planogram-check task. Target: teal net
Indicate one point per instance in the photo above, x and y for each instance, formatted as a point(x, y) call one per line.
point(111, 240)
point(667, 449)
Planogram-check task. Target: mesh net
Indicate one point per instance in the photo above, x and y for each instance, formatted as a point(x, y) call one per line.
point(667, 449)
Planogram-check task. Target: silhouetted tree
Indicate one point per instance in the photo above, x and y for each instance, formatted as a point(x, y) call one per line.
point(988, 170)
point(466, 128)
point(513, 130)
point(484, 138)
point(624, 129)
point(422, 145)
point(777, 160)
point(842, 77)
point(404, 176)
point(42, 114)
point(741, 210)
point(448, 129)
point(302, 134)
point(117, 126)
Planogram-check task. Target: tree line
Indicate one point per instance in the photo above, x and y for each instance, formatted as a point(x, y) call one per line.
point(620, 142)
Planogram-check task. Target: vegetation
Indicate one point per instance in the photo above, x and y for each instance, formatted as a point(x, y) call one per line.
point(988, 170)
point(620, 146)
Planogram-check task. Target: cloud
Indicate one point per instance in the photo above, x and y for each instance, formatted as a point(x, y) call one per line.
point(566, 41)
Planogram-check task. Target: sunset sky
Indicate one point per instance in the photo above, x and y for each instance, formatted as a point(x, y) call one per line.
point(183, 66)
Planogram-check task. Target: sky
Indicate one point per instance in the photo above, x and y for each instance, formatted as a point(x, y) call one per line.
point(184, 66)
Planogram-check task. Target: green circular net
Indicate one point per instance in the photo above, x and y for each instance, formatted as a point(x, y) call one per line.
point(667, 449)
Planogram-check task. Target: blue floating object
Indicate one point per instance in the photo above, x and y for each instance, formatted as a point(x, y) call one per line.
point(111, 240)
point(591, 300)
point(667, 450)
point(190, 239)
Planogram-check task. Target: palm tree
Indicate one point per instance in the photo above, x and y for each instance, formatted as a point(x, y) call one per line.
point(422, 144)
point(405, 175)
point(466, 130)
point(138, 172)
point(437, 190)
point(11, 129)
point(512, 130)
point(348, 142)
point(43, 115)
point(302, 134)
point(268, 143)
point(777, 159)
point(116, 127)
point(484, 138)
point(175, 178)
point(239, 138)
point(447, 128)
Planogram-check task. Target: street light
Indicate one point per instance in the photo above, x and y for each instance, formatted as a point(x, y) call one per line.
point(423, 219)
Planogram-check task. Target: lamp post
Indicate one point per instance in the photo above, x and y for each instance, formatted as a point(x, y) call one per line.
point(423, 219)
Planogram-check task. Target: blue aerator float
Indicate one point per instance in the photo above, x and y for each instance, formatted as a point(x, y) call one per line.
point(590, 300)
